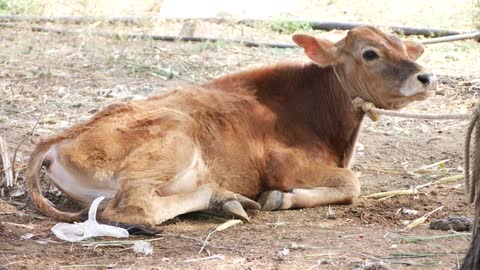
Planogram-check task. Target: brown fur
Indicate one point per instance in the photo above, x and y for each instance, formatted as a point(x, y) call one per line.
point(257, 133)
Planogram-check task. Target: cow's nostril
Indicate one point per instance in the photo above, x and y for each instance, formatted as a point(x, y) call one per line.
point(424, 78)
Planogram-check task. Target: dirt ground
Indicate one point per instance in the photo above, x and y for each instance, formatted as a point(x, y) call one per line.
point(63, 79)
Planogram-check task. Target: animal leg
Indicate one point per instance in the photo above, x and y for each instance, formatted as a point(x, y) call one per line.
point(295, 181)
point(143, 205)
point(306, 198)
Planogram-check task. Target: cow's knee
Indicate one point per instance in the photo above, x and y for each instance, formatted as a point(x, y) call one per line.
point(350, 187)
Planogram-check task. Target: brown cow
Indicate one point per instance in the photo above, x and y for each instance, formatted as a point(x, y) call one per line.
point(283, 135)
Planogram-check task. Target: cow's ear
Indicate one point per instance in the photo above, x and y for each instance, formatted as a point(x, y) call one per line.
point(321, 51)
point(414, 49)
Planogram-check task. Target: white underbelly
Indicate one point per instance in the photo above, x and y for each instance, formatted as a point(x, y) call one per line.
point(80, 189)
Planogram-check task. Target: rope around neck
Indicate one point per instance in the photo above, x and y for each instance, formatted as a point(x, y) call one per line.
point(374, 112)
point(472, 171)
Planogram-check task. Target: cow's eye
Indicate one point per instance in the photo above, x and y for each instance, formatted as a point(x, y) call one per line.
point(369, 55)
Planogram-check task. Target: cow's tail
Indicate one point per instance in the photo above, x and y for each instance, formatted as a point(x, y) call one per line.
point(33, 185)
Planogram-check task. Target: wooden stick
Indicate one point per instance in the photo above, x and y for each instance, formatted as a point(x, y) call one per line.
point(214, 257)
point(392, 193)
point(220, 228)
point(318, 25)
point(200, 242)
point(18, 225)
point(181, 38)
point(387, 261)
point(6, 163)
point(443, 180)
point(415, 239)
point(151, 37)
point(399, 29)
point(421, 219)
point(431, 165)
point(18, 147)
point(389, 194)
point(21, 214)
point(474, 35)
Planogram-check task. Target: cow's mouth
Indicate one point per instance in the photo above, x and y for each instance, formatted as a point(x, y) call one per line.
point(425, 94)
point(432, 89)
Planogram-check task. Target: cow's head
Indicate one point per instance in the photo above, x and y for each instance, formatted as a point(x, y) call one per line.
point(373, 65)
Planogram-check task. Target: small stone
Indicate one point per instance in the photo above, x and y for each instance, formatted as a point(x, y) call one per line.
point(458, 224)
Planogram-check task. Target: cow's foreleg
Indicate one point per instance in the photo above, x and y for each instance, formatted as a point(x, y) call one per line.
point(295, 181)
point(143, 205)
point(305, 198)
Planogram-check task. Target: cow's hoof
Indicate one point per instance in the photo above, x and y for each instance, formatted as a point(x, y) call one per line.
point(235, 208)
point(271, 200)
point(232, 204)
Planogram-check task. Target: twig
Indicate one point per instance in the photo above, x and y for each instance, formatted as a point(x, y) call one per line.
point(321, 255)
point(474, 35)
point(428, 238)
point(381, 170)
point(23, 214)
point(198, 240)
point(443, 180)
point(88, 265)
point(458, 262)
point(392, 193)
point(12, 202)
point(220, 228)
point(385, 260)
point(297, 246)
point(386, 198)
point(431, 165)
point(18, 225)
point(125, 242)
point(276, 224)
point(421, 219)
point(315, 265)
point(214, 257)
point(206, 241)
point(413, 191)
point(6, 163)
point(414, 255)
point(20, 143)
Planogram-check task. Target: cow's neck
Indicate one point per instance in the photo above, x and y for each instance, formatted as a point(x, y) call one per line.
point(311, 97)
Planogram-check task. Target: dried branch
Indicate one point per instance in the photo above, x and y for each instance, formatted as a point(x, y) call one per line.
point(7, 167)
point(399, 29)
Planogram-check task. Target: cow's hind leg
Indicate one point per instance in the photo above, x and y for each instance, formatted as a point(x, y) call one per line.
point(320, 186)
point(143, 204)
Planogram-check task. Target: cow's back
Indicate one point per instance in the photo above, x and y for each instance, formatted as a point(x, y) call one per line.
point(230, 128)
